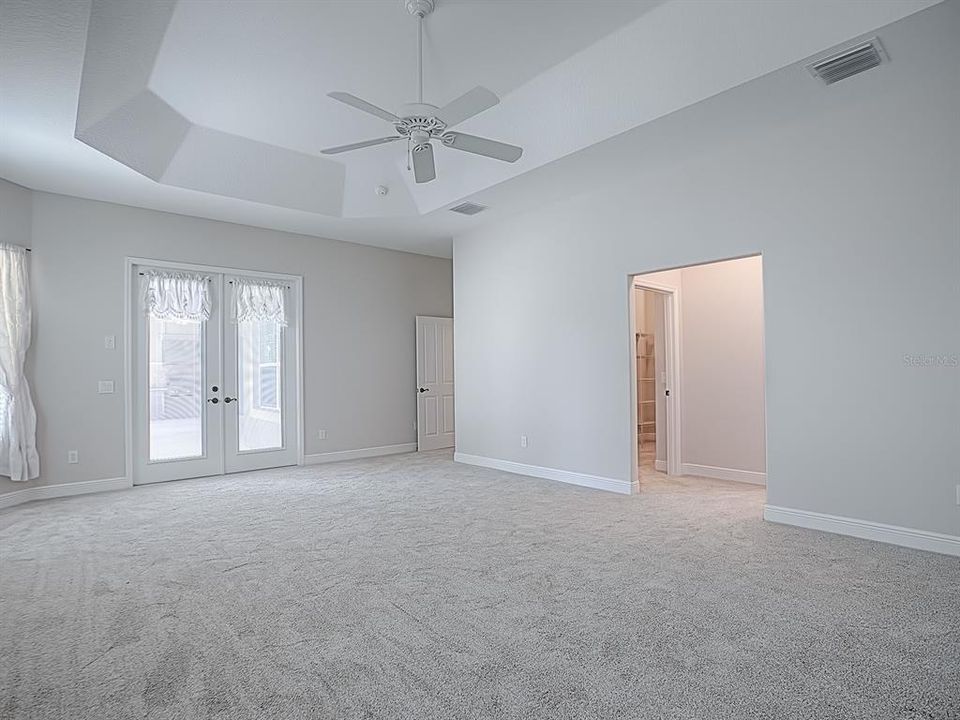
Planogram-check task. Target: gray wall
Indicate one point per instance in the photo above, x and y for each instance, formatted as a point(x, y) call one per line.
point(853, 202)
point(722, 357)
point(359, 309)
point(16, 207)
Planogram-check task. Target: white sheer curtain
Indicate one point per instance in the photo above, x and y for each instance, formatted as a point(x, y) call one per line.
point(259, 300)
point(18, 418)
point(176, 295)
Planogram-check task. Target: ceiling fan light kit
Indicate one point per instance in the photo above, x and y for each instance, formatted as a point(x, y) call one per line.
point(419, 123)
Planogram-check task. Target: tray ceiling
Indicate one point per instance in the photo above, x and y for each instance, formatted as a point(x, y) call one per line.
point(219, 108)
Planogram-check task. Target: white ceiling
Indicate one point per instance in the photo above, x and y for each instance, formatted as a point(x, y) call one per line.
point(256, 74)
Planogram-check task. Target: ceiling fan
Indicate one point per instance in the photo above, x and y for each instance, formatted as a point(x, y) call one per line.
point(420, 122)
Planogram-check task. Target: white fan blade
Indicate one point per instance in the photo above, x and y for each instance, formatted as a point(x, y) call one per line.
point(424, 169)
point(357, 146)
point(483, 146)
point(354, 101)
point(467, 105)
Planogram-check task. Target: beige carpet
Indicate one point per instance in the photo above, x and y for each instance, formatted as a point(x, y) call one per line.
point(412, 587)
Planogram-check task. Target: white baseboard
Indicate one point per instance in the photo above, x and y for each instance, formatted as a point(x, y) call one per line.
point(721, 473)
point(865, 529)
point(358, 454)
point(48, 492)
point(660, 465)
point(566, 476)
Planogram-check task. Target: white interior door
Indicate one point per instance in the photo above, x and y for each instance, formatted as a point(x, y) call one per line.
point(259, 379)
point(672, 383)
point(435, 427)
point(212, 396)
point(176, 394)
point(667, 365)
point(660, 380)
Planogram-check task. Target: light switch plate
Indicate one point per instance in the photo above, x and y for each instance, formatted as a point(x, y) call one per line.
point(109, 342)
point(105, 387)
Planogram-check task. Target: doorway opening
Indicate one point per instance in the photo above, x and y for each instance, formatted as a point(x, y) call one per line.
point(697, 373)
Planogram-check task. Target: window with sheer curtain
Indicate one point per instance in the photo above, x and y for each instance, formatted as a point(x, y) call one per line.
point(176, 304)
point(18, 418)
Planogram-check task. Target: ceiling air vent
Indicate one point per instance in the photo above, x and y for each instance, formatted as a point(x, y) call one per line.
point(849, 62)
point(468, 208)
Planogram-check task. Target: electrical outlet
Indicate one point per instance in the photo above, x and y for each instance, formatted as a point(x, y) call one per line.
point(73, 457)
point(109, 342)
point(523, 441)
point(105, 387)
point(321, 434)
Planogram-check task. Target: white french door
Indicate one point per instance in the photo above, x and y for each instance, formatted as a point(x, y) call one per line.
point(260, 375)
point(177, 428)
point(212, 396)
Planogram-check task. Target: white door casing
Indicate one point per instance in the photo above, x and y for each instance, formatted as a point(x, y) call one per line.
point(435, 402)
point(218, 441)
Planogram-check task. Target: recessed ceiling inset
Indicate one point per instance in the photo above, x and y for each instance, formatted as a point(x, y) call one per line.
point(186, 98)
point(420, 122)
point(120, 115)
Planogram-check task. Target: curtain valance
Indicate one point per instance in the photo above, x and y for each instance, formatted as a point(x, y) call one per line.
point(259, 300)
point(176, 295)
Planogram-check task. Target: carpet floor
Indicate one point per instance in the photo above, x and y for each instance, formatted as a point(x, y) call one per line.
point(414, 587)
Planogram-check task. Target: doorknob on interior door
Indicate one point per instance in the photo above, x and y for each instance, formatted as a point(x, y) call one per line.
point(213, 400)
point(229, 399)
point(423, 390)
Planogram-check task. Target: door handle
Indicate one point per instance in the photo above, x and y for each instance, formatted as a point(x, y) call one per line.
point(213, 400)
point(229, 399)
point(423, 390)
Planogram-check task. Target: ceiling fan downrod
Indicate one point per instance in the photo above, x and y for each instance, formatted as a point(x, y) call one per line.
point(420, 60)
point(420, 8)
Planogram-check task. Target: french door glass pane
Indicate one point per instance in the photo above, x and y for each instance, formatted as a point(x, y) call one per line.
point(176, 389)
point(259, 370)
